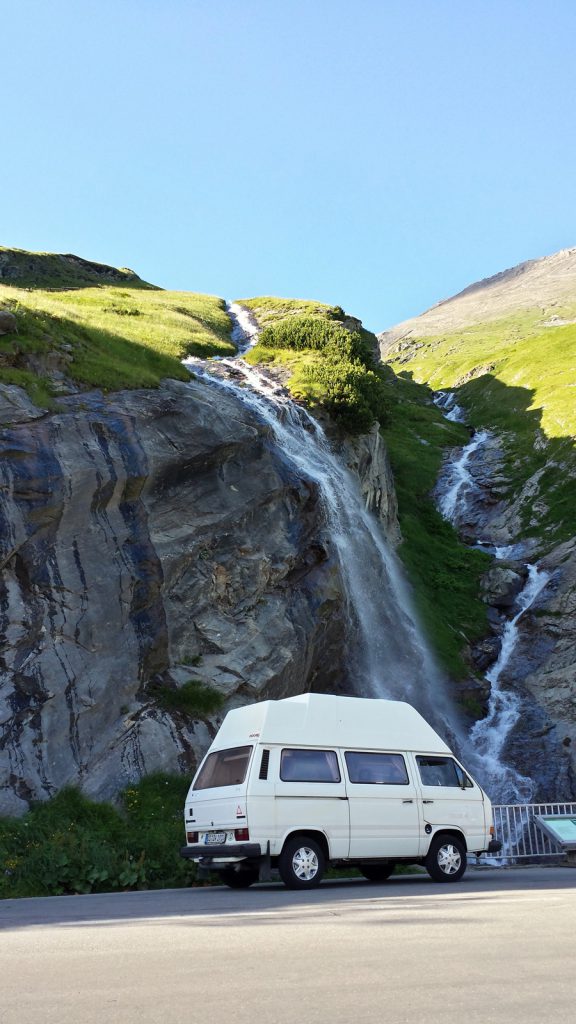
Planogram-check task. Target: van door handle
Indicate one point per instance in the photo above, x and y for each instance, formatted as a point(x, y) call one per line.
point(427, 801)
point(407, 801)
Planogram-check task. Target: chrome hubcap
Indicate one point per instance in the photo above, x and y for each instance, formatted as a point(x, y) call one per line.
point(449, 859)
point(305, 864)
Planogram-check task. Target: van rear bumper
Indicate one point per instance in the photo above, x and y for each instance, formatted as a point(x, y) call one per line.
point(207, 853)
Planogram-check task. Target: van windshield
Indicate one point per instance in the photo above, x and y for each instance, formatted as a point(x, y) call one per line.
point(224, 768)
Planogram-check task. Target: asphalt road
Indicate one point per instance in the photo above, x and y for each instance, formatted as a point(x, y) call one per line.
point(499, 946)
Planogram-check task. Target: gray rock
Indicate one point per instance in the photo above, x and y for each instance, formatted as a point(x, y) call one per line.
point(501, 585)
point(8, 322)
point(141, 532)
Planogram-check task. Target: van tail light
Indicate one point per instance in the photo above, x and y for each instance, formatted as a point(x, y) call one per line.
point(492, 830)
point(241, 834)
point(191, 837)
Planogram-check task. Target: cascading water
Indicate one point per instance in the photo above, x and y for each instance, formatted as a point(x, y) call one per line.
point(489, 735)
point(461, 480)
point(385, 651)
point(244, 327)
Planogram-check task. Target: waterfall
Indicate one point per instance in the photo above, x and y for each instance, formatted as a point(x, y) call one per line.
point(489, 735)
point(459, 482)
point(386, 654)
point(245, 329)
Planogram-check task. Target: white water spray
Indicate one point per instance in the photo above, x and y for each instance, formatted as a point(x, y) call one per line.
point(460, 482)
point(245, 329)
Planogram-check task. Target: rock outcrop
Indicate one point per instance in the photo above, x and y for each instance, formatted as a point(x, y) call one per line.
point(151, 537)
point(8, 322)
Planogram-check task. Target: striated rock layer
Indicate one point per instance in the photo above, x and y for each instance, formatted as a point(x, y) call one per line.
point(151, 537)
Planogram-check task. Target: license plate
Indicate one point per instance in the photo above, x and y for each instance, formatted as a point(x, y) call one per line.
point(215, 837)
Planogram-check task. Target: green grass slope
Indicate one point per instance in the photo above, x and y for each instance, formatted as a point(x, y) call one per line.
point(516, 376)
point(111, 334)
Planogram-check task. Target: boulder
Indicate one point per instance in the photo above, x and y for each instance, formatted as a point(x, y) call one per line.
point(8, 322)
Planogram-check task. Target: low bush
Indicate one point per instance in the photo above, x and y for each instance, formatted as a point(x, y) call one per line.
point(331, 366)
point(193, 698)
point(72, 845)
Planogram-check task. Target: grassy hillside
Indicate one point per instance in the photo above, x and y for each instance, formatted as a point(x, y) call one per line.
point(60, 270)
point(333, 367)
point(107, 335)
point(516, 376)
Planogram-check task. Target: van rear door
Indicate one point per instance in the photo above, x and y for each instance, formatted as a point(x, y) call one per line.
point(216, 804)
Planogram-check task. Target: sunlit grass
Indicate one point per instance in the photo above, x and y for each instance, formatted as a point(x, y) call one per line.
point(112, 337)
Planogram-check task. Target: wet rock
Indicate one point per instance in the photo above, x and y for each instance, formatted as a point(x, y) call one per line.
point(484, 654)
point(501, 585)
point(366, 456)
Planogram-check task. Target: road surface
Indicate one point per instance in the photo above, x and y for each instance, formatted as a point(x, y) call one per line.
point(499, 946)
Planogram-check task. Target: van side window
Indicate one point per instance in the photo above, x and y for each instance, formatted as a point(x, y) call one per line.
point(309, 766)
point(376, 769)
point(439, 771)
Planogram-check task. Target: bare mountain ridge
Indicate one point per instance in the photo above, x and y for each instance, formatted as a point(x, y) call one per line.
point(544, 283)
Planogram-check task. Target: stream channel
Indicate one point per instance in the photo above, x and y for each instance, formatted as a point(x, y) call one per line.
point(456, 488)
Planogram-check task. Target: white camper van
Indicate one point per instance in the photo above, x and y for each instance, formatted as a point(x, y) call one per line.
point(298, 784)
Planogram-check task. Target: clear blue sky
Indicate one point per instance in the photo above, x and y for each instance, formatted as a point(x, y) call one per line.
point(377, 154)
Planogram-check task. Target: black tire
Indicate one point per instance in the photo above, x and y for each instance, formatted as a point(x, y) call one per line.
point(377, 872)
point(239, 878)
point(302, 863)
point(446, 859)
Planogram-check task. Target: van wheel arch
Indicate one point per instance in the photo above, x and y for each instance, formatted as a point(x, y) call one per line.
point(303, 860)
point(446, 857)
point(309, 833)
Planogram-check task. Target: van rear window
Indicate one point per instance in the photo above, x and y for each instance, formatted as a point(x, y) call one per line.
point(224, 768)
point(309, 766)
point(376, 769)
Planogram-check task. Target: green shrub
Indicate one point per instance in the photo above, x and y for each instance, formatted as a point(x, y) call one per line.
point(72, 845)
point(333, 368)
point(193, 698)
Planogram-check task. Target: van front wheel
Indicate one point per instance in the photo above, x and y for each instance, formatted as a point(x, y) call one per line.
point(446, 860)
point(301, 863)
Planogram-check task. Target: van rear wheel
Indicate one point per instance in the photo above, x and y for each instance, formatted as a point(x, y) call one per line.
point(239, 879)
point(377, 872)
point(302, 863)
point(446, 860)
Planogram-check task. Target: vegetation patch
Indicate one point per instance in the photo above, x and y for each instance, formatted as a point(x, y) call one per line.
point(72, 845)
point(330, 365)
point(193, 698)
point(444, 573)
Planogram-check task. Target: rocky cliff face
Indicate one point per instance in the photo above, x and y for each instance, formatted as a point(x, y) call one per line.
point(148, 538)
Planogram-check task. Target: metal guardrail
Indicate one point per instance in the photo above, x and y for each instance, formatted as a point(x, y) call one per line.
point(521, 837)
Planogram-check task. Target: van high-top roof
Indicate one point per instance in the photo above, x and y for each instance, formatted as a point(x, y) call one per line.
point(324, 720)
